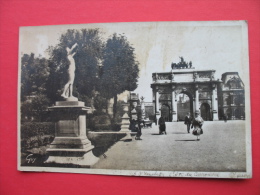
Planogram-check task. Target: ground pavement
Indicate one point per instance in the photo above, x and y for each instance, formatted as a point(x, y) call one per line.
point(221, 148)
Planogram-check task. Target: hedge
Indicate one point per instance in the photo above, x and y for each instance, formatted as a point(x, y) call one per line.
point(30, 129)
point(104, 127)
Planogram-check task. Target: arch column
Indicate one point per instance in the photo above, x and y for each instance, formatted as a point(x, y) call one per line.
point(154, 100)
point(214, 103)
point(174, 106)
point(197, 105)
point(157, 112)
point(231, 99)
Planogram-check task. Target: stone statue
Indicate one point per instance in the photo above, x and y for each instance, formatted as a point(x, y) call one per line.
point(212, 76)
point(67, 92)
point(195, 76)
point(142, 107)
point(172, 76)
point(156, 77)
point(182, 64)
point(182, 59)
point(190, 64)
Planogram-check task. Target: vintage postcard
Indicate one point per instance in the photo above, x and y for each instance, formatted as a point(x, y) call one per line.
point(162, 99)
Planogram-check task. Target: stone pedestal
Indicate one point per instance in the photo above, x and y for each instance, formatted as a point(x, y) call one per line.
point(71, 145)
point(125, 128)
point(142, 108)
point(125, 124)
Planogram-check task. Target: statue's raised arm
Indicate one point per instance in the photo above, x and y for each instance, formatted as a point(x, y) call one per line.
point(69, 51)
point(67, 92)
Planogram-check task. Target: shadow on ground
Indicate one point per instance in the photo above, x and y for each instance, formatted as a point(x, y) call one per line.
point(186, 140)
point(36, 156)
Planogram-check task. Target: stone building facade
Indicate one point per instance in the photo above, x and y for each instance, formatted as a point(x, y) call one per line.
point(202, 91)
point(231, 97)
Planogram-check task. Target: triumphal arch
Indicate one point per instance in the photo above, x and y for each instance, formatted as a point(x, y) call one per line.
point(197, 89)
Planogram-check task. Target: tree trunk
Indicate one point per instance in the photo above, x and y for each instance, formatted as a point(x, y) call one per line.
point(107, 103)
point(114, 107)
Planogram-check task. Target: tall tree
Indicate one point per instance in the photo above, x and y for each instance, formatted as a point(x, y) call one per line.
point(120, 68)
point(34, 75)
point(35, 108)
point(87, 58)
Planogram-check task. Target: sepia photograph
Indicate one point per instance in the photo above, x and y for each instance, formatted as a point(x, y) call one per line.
point(157, 99)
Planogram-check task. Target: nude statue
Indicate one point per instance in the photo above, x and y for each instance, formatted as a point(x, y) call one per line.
point(67, 92)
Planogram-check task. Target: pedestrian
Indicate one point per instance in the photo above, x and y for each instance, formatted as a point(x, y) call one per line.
point(135, 121)
point(162, 127)
point(197, 123)
point(135, 126)
point(139, 129)
point(187, 121)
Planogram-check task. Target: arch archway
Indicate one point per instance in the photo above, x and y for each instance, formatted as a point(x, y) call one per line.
point(205, 111)
point(165, 112)
point(237, 113)
point(184, 105)
point(228, 114)
point(227, 101)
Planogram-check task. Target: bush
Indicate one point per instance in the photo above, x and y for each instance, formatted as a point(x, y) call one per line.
point(35, 109)
point(30, 129)
point(35, 134)
point(116, 127)
point(103, 127)
point(102, 123)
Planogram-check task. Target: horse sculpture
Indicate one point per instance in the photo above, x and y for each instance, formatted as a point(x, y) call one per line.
point(182, 64)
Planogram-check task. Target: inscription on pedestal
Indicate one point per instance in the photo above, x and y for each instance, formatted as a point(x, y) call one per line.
point(70, 135)
point(67, 128)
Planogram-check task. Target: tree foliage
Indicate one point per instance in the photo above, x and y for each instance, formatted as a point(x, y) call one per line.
point(120, 68)
point(34, 75)
point(87, 58)
point(35, 108)
point(104, 68)
point(100, 104)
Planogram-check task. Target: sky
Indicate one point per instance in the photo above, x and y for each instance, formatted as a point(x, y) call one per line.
point(218, 45)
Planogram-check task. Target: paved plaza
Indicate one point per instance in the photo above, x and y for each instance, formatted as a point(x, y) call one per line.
point(221, 148)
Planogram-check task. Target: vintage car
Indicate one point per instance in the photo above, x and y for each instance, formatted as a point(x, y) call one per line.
point(147, 123)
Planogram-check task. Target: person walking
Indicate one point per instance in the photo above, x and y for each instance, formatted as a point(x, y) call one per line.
point(135, 126)
point(162, 126)
point(197, 123)
point(139, 129)
point(187, 121)
point(135, 122)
